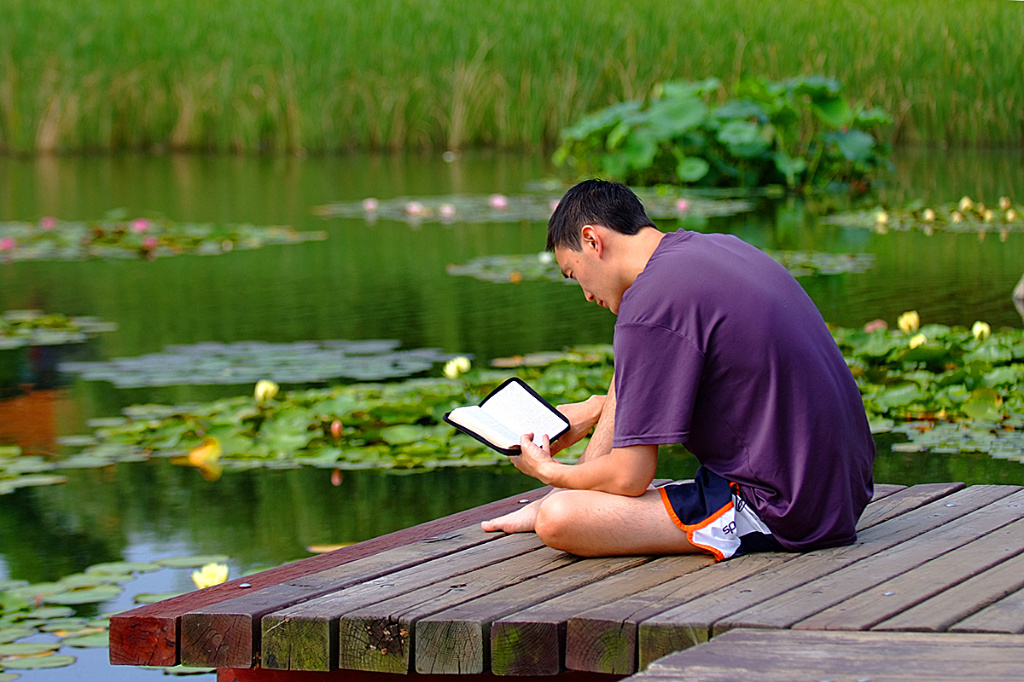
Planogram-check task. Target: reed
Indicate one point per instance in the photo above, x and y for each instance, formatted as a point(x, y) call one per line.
point(328, 75)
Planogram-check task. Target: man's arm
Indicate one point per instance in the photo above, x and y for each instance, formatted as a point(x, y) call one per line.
point(597, 412)
point(622, 471)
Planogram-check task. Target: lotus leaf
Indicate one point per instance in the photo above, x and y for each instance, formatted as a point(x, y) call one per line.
point(37, 662)
point(28, 648)
point(85, 596)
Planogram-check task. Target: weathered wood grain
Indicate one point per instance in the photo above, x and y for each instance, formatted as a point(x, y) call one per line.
point(605, 638)
point(958, 602)
point(457, 640)
point(911, 587)
point(1006, 615)
point(265, 675)
point(148, 635)
point(846, 581)
point(305, 636)
point(532, 642)
point(778, 597)
point(380, 637)
point(778, 655)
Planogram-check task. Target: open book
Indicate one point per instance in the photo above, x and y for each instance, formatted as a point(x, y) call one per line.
point(508, 412)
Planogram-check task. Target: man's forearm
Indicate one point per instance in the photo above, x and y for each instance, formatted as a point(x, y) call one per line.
point(621, 471)
point(600, 443)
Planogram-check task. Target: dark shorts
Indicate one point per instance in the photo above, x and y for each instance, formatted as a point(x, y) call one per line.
point(715, 518)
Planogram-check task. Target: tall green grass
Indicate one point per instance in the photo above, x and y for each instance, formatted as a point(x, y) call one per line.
point(327, 75)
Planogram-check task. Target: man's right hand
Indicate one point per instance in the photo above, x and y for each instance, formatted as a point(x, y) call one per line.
point(582, 417)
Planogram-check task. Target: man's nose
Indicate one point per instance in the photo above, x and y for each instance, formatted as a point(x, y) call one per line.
point(589, 296)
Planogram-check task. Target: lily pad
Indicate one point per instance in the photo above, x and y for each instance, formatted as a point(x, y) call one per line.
point(117, 567)
point(1001, 216)
point(86, 595)
point(95, 640)
point(28, 648)
point(154, 597)
point(37, 662)
point(197, 561)
point(13, 634)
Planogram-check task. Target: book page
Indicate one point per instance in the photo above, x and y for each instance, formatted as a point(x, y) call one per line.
point(521, 412)
point(478, 421)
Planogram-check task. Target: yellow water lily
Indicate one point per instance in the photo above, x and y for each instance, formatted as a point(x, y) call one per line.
point(265, 391)
point(456, 366)
point(918, 340)
point(210, 575)
point(1005, 203)
point(966, 204)
point(909, 322)
point(205, 458)
point(981, 330)
point(928, 215)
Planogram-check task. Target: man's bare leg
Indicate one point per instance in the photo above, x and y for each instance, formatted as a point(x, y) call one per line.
point(591, 523)
point(600, 444)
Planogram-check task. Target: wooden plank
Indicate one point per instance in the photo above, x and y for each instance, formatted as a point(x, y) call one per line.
point(772, 597)
point(265, 675)
point(940, 612)
point(744, 654)
point(1006, 615)
point(148, 635)
point(604, 640)
point(907, 589)
point(532, 642)
point(456, 640)
point(380, 636)
point(826, 591)
point(305, 636)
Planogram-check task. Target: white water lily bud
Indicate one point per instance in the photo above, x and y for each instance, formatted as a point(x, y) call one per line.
point(210, 575)
point(928, 215)
point(265, 391)
point(1005, 203)
point(956, 217)
point(882, 218)
point(1011, 215)
point(456, 366)
point(981, 330)
point(965, 203)
point(909, 322)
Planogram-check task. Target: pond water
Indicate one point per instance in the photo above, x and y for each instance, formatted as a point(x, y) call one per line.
point(379, 280)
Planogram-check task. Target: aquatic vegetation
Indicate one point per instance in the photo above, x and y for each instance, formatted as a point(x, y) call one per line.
point(800, 132)
point(119, 237)
point(254, 362)
point(210, 575)
point(965, 215)
point(37, 328)
point(542, 266)
point(55, 615)
point(659, 202)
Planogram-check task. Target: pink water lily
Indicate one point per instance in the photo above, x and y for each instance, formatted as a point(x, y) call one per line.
point(498, 201)
point(47, 223)
point(7, 244)
point(140, 225)
point(682, 205)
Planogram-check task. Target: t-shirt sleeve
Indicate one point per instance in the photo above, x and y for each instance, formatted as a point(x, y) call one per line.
point(657, 373)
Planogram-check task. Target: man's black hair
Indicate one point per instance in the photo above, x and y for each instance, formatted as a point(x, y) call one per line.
point(595, 202)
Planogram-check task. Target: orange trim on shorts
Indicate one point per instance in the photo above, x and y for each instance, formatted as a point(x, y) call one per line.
point(690, 529)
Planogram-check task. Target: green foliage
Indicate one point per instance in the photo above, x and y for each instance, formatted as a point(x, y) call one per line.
point(800, 132)
point(36, 328)
point(118, 237)
point(965, 215)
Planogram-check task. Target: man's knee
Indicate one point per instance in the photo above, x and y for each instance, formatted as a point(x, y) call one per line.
point(555, 520)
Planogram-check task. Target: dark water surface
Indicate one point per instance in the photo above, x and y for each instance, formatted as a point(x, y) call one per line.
point(385, 280)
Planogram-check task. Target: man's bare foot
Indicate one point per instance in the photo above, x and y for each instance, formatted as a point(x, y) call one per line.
point(519, 521)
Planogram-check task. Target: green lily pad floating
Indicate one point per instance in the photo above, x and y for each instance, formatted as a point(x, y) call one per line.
point(181, 670)
point(36, 328)
point(542, 266)
point(249, 362)
point(536, 207)
point(95, 640)
point(119, 567)
point(37, 662)
point(964, 216)
point(87, 595)
point(8, 677)
point(28, 648)
point(13, 634)
point(154, 597)
point(116, 237)
point(197, 561)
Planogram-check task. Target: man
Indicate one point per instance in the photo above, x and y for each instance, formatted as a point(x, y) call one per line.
point(716, 347)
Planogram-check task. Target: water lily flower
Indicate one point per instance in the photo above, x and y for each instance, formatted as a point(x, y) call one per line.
point(370, 204)
point(928, 215)
point(205, 458)
point(498, 201)
point(956, 217)
point(881, 218)
point(265, 390)
point(140, 225)
point(515, 277)
point(210, 575)
point(546, 257)
point(876, 325)
point(415, 208)
point(682, 205)
point(965, 203)
point(456, 366)
point(909, 322)
point(1005, 203)
point(446, 210)
point(981, 330)
point(7, 244)
point(336, 428)
point(1011, 215)
point(47, 223)
point(989, 215)
point(150, 242)
point(918, 340)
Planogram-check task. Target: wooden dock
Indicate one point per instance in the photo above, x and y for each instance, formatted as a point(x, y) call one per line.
point(446, 599)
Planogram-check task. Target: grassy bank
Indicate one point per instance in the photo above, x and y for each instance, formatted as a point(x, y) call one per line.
point(326, 75)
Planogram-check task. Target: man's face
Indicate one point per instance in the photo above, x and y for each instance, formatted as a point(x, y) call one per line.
point(593, 274)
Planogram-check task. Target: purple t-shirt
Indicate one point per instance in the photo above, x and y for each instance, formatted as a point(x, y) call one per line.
point(717, 347)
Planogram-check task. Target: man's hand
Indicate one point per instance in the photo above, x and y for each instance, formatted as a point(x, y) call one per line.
point(534, 459)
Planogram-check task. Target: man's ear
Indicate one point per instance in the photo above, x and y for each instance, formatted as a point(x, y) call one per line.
point(592, 240)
